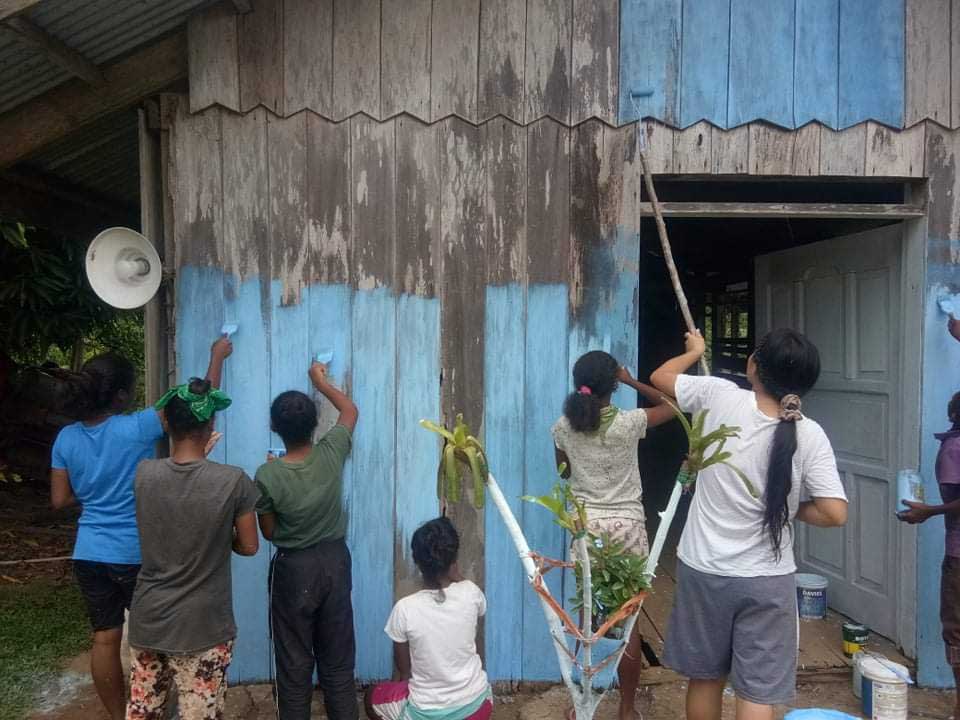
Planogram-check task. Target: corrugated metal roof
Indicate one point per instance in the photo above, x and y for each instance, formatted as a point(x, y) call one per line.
point(100, 30)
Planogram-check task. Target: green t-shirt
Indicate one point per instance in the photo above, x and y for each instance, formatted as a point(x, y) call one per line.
point(307, 497)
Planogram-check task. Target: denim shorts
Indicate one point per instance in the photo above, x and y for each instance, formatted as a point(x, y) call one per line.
point(107, 589)
point(741, 628)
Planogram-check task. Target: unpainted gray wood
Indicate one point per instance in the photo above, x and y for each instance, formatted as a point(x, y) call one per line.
point(595, 60)
point(308, 56)
point(731, 151)
point(502, 41)
point(260, 47)
point(693, 149)
point(356, 58)
point(548, 60)
point(455, 53)
point(328, 199)
point(843, 152)
point(246, 207)
point(405, 58)
point(926, 61)
point(289, 245)
point(894, 154)
point(214, 63)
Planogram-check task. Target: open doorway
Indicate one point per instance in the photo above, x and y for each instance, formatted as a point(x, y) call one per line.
point(744, 276)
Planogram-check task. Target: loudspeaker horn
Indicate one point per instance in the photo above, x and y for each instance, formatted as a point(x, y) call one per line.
point(123, 268)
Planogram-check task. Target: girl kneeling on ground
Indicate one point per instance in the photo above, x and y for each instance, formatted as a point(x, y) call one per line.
point(438, 675)
point(735, 611)
point(598, 443)
point(191, 512)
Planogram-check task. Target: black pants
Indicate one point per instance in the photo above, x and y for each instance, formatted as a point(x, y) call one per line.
point(312, 620)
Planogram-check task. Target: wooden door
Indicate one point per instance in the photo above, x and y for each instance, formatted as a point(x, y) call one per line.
point(844, 295)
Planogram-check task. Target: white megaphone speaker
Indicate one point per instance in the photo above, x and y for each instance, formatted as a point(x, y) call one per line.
point(123, 268)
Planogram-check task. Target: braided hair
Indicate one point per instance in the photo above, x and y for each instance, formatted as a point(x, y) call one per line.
point(293, 416)
point(105, 377)
point(435, 546)
point(594, 377)
point(788, 366)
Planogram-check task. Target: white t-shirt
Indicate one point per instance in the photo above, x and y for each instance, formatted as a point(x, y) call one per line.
point(724, 534)
point(446, 671)
point(603, 465)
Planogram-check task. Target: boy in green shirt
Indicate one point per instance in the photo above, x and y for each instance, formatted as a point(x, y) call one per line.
point(301, 511)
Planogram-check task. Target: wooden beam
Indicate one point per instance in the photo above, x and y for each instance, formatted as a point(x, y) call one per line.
point(836, 211)
point(56, 50)
point(242, 6)
point(9, 8)
point(56, 113)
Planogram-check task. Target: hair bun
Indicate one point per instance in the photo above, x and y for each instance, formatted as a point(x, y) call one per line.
point(199, 387)
point(790, 408)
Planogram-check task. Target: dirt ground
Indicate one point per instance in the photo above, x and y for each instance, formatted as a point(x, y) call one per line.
point(30, 530)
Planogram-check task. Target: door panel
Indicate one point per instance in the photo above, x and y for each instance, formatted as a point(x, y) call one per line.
point(844, 295)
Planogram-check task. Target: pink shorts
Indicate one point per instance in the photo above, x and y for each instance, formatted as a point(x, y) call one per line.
point(389, 701)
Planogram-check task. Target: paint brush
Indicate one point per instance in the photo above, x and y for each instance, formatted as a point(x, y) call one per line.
point(229, 329)
point(948, 304)
point(324, 357)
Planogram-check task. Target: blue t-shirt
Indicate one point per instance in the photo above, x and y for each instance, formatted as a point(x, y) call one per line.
point(101, 461)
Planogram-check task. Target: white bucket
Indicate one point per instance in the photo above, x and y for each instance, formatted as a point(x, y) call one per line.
point(857, 678)
point(883, 688)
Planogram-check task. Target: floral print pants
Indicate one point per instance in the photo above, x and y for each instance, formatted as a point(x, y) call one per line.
point(200, 678)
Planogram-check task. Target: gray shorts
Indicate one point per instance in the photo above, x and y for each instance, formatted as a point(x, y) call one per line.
point(742, 628)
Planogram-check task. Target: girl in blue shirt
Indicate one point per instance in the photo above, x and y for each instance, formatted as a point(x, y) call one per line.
point(93, 465)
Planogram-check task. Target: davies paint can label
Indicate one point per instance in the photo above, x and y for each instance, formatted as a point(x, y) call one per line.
point(884, 701)
point(813, 602)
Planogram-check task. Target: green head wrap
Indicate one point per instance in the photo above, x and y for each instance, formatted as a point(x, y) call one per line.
point(202, 406)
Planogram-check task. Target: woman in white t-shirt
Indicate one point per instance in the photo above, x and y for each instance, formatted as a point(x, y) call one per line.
point(598, 443)
point(439, 675)
point(735, 612)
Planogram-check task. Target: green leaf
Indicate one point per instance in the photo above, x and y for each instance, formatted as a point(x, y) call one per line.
point(439, 430)
point(746, 481)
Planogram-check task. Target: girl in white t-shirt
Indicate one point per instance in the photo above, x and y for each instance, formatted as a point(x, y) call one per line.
point(439, 675)
point(735, 611)
point(598, 443)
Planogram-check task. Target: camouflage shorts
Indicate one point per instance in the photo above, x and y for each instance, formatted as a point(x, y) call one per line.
point(200, 679)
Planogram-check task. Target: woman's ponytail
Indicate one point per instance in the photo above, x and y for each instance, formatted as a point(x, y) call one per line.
point(104, 377)
point(594, 377)
point(787, 366)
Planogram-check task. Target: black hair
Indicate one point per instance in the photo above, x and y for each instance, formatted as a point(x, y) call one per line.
point(787, 364)
point(180, 418)
point(293, 416)
point(105, 377)
point(597, 372)
point(953, 411)
point(435, 545)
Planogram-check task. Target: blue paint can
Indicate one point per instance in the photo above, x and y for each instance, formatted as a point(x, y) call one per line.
point(817, 714)
point(811, 596)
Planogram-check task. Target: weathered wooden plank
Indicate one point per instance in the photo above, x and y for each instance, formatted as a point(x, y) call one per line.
point(214, 63)
point(659, 141)
point(730, 151)
point(308, 56)
point(504, 159)
point(55, 50)
point(260, 47)
point(836, 211)
point(356, 53)
point(246, 207)
point(548, 67)
point(895, 154)
point(197, 190)
point(806, 149)
point(940, 166)
point(761, 62)
point(405, 58)
point(871, 62)
point(418, 338)
point(374, 384)
point(771, 150)
point(289, 242)
point(462, 220)
point(328, 199)
point(927, 63)
point(455, 53)
point(650, 60)
point(595, 71)
point(815, 87)
point(546, 364)
point(692, 149)
point(955, 69)
point(502, 37)
point(705, 63)
point(843, 152)
point(155, 327)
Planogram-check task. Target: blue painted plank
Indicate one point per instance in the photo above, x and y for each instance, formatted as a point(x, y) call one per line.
point(372, 493)
point(247, 381)
point(706, 60)
point(871, 62)
point(330, 331)
point(547, 384)
point(622, 316)
point(761, 62)
point(418, 397)
point(504, 440)
point(290, 347)
point(815, 82)
point(650, 59)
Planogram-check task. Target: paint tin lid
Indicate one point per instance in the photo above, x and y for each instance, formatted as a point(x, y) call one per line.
point(883, 670)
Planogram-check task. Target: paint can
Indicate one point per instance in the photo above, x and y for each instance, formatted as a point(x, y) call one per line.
point(909, 488)
point(855, 637)
point(811, 596)
point(883, 688)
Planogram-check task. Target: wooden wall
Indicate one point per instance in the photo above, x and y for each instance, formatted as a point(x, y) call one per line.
point(728, 62)
point(452, 268)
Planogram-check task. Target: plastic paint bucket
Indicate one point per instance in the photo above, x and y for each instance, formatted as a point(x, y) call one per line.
point(811, 596)
point(883, 690)
point(909, 487)
point(854, 638)
point(857, 679)
point(817, 714)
